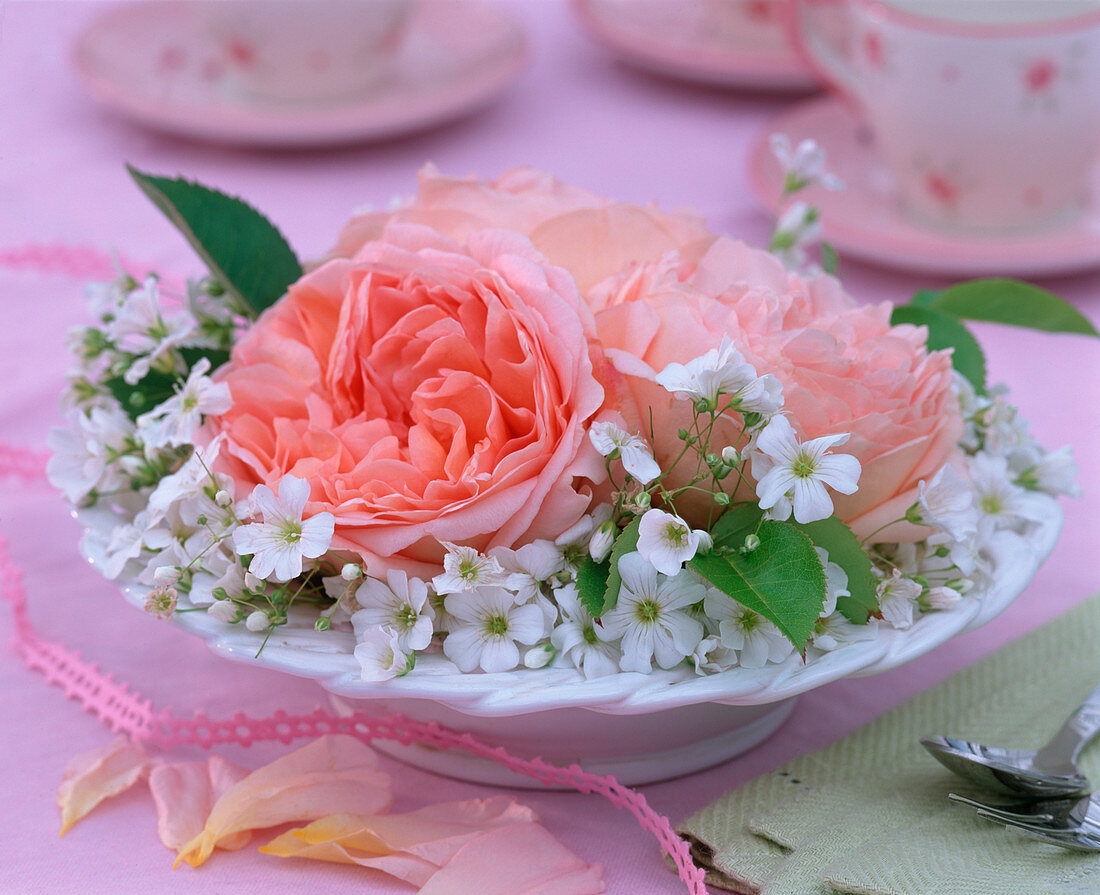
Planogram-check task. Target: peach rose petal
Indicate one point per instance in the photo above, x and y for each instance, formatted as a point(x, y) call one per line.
point(334, 773)
point(186, 792)
point(411, 847)
point(521, 859)
point(97, 775)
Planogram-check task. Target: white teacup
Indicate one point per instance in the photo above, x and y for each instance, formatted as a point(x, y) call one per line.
point(305, 49)
point(986, 111)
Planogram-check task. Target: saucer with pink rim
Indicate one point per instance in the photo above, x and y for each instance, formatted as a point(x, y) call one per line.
point(154, 63)
point(865, 220)
point(721, 43)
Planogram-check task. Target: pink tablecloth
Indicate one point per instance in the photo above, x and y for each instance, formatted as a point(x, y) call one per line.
point(574, 111)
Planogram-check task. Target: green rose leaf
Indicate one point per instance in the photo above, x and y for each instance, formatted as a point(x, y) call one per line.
point(625, 543)
point(247, 255)
point(945, 331)
point(925, 297)
point(845, 550)
point(736, 522)
point(216, 356)
point(782, 579)
point(1014, 303)
point(830, 261)
point(592, 584)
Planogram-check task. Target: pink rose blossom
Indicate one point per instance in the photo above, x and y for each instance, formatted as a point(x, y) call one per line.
point(843, 368)
point(428, 391)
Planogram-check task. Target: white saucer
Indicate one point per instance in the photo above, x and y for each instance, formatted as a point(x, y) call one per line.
point(716, 43)
point(866, 219)
point(154, 63)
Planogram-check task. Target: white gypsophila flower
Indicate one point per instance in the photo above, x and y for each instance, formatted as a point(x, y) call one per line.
point(666, 542)
point(530, 567)
point(576, 640)
point(966, 555)
point(947, 503)
point(756, 640)
point(803, 166)
point(140, 329)
point(836, 582)
point(466, 569)
point(193, 480)
point(381, 655)
point(91, 455)
point(127, 542)
point(1053, 472)
point(1004, 428)
point(720, 371)
point(281, 542)
point(971, 405)
point(175, 421)
point(897, 599)
point(216, 566)
point(486, 625)
point(649, 616)
point(637, 458)
point(763, 396)
point(999, 502)
point(835, 631)
point(711, 656)
point(400, 605)
point(941, 597)
point(160, 602)
point(798, 227)
point(799, 471)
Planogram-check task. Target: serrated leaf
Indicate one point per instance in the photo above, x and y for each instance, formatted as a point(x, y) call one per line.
point(592, 584)
point(243, 249)
point(625, 543)
point(945, 331)
point(782, 579)
point(1015, 303)
point(736, 522)
point(845, 550)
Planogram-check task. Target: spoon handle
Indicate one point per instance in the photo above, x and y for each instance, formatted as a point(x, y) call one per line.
point(1068, 742)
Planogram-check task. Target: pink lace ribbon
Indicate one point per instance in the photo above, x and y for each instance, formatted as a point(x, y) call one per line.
point(125, 710)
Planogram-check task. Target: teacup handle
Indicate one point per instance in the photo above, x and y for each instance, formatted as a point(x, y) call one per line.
point(822, 30)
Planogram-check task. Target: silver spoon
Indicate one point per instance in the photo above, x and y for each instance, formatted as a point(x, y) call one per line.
point(1050, 771)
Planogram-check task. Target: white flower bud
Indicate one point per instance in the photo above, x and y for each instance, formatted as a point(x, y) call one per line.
point(729, 455)
point(223, 611)
point(706, 542)
point(539, 656)
point(257, 621)
point(223, 498)
point(166, 575)
point(942, 597)
point(351, 571)
point(603, 539)
point(251, 582)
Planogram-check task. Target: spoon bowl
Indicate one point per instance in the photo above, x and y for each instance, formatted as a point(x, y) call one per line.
point(1008, 771)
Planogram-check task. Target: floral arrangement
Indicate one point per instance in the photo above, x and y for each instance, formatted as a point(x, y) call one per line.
point(517, 423)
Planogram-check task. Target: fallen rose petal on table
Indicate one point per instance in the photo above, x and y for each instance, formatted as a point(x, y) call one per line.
point(411, 847)
point(520, 859)
point(185, 794)
point(333, 774)
point(97, 775)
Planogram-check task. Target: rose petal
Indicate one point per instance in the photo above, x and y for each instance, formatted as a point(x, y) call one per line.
point(97, 775)
point(186, 792)
point(334, 773)
point(411, 847)
point(521, 859)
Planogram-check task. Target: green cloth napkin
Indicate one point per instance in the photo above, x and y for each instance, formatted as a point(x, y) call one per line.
point(869, 814)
